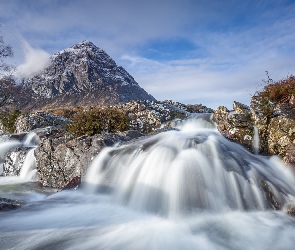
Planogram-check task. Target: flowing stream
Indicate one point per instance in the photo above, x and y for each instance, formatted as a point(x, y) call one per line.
point(188, 188)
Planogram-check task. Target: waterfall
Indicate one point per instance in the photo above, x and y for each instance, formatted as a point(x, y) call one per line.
point(256, 140)
point(191, 169)
point(5, 147)
point(28, 169)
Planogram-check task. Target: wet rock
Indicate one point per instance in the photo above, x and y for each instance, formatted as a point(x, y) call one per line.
point(28, 122)
point(73, 184)
point(235, 125)
point(60, 159)
point(261, 113)
point(7, 137)
point(290, 209)
point(8, 204)
point(269, 194)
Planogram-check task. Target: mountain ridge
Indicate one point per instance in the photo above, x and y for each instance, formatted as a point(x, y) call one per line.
point(83, 75)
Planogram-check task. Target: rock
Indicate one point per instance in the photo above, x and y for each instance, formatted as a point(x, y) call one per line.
point(240, 108)
point(290, 155)
point(281, 136)
point(141, 118)
point(261, 113)
point(2, 129)
point(8, 204)
point(235, 125)
point(60, 159)
point(290, 209)
point(147, 116)
point(73, 184)
point(28, 122)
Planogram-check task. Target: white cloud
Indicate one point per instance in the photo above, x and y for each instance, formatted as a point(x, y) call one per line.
point(35, 61)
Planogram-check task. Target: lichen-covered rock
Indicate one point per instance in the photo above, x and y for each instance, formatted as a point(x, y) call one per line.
point(141, 118)
point(281, 137)
point(235, 125)
point(147, 116)
point(60, 159)
point(261, 113)
point(28, 122)
point(2, 129)
point(240, 108)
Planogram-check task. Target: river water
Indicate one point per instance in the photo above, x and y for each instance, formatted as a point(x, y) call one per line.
point(182, 189)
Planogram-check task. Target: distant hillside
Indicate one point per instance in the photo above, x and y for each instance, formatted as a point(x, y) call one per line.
point(83, 75)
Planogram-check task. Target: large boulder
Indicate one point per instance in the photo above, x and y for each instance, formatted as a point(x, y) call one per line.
point(281, 132)
point(60, 159)
point(28, 122)
point(141, 118)
point(235, 125)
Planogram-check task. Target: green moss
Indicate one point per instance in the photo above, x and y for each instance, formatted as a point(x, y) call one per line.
point(8, 120)
point(177, 114)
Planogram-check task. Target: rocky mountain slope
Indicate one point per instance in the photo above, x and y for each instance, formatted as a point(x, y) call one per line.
point(83, 75)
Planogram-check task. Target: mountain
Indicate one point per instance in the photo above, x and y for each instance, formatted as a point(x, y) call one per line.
point(83, 75)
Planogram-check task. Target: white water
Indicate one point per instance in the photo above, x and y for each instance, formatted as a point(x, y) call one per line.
point(188, 189)
point(28, 170)
point(256, 140)
point(177, 173)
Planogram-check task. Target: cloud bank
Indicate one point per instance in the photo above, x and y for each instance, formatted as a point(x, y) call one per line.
point(35, 61)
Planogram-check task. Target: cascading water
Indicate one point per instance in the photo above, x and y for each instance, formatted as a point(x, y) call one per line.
point(5, 147)
point(179, 172)
point(28, 170)
point(256, 140)
point(181, 189)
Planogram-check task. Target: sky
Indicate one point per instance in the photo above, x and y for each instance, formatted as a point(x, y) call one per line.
point(211, 52)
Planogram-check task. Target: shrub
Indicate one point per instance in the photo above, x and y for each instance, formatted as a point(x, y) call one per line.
point(8, 120)
point(280, 91)
point(94, 121)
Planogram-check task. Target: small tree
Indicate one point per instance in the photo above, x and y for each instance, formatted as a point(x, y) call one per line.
point(94, 121)
point(7, 84)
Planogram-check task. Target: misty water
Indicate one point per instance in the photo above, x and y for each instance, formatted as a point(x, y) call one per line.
point(188, 188)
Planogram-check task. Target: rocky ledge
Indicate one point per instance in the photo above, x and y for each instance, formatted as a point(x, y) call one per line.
point(274, 125)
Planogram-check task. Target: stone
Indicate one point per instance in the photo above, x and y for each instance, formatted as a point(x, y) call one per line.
point(28, 122)
point(9, 204)
point(290, 209)
point(73, 184)
point(235, 125)
point(60, 159)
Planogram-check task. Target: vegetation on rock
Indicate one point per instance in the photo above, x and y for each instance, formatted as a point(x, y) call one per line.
point(282, 91)
point(94, 121)
point(8, 119)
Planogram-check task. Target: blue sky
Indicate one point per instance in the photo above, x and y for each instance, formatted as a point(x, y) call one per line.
point(209, 52)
